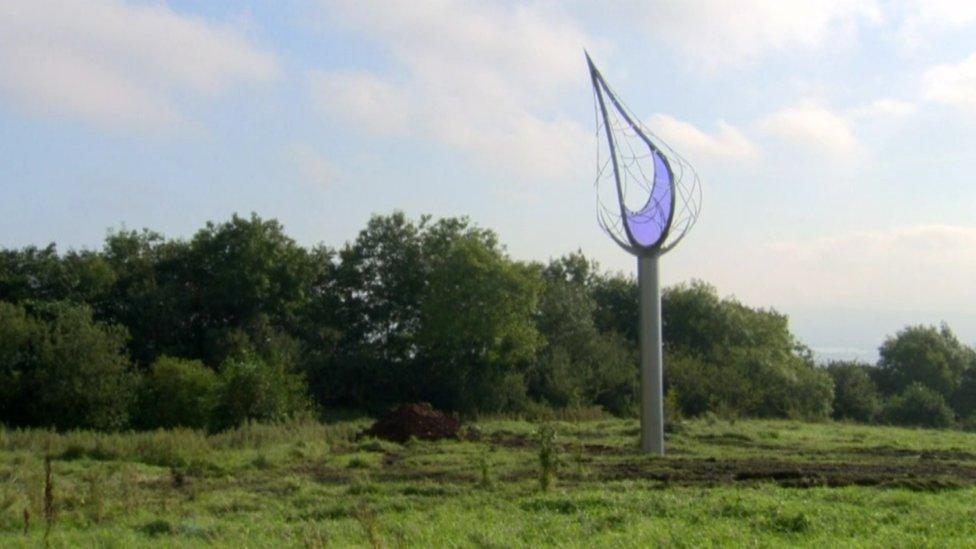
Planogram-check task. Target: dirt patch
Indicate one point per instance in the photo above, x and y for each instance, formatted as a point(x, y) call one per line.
point(919, 475)
point(731, 438)
point(512, 441)
point(892, 451)
point(414, 420)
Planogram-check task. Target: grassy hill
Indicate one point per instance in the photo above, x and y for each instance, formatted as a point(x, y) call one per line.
point(306, 484)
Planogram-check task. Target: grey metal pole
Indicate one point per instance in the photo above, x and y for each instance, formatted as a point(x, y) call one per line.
point(651, 356)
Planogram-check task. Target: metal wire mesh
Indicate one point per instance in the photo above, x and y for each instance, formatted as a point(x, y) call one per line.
point(635, 167)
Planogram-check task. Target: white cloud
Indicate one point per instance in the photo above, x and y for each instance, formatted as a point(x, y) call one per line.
point(476, 77)
point(361, 99)
point(728, 142)
point(925, 20)
point(310, 164)
point(118, 64)
point(883, 108)
point(953, 84)
point(814, 127)
point(720, 33)
point(928, 267)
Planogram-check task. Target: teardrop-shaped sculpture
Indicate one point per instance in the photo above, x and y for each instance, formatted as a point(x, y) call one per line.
point(643, 165)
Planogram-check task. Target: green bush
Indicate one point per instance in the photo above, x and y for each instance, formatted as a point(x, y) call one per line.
point(753, 382)
point(963, 401)
point(62, 369)
point(176, 393)
point(919, 406)
point(251, 389)
point(688, 378)
point(931, 356)
point(855, 395)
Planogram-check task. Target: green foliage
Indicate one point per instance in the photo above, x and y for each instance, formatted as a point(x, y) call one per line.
point(62, 369)
point(919, 406)
point(40, 274)
point(411, 310)
point(476, 327)
point(931, 356)
point(751, 382)
point(250, 389)
point(617, 305)
point(578, 364)
point(964, 398)
point(724, 356)
point(176, 393)
point(855, 395)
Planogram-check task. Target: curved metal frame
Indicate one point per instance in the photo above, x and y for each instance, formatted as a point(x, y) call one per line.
point(636, 248)
point(690, 192)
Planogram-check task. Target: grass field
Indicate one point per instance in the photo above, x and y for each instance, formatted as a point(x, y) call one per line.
point(757, 483)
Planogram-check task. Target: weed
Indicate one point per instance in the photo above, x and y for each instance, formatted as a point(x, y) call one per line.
point(261, 461)
point(177, 477)
point(374, 445)
point(367, 519)
point(358, 463)
point(548, 456)
point(484, 468)
point(579, 458)
point(49, 510)
point(789, 523)
point(710, 418)
point(96, 503)
point(362, 485)
point(313, 537)
point(158, 527)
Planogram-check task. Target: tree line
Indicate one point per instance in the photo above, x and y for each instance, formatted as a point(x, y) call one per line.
point(239, 322)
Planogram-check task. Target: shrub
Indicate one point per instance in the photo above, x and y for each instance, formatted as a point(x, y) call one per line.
point(688, 383)
point(176, 393)
point(749, 382)
point(855, 395)
point(964, 399)
point(62, 369)
point(931, 356)
point(251, 389)
point(919, 406)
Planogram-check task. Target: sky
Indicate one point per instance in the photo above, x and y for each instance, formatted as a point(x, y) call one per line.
point(834, 138)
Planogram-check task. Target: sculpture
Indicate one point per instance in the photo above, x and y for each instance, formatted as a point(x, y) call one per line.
point(648, 198)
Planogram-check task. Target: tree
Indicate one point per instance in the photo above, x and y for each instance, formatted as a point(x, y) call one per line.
point(67, 371)
point(242, 274)
point(379, 284)
point(41, 274)
point(477, 332)
point(930, 356)
point(855, 395)
point(964, 399)
point(617, 305)
point(150, 296)
point(577, 364)
point(176, 393)
point(920, 406)
point(17, 332)
point(250, 389)
point(731, 357)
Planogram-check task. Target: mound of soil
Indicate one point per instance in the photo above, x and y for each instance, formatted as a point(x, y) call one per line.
point(414, 420)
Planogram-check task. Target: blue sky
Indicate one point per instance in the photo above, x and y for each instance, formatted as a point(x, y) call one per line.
point(834, 138)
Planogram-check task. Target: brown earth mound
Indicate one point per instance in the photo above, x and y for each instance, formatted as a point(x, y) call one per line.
point(414, 420)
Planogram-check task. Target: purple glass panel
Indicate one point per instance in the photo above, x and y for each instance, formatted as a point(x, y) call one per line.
point(647, 225)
